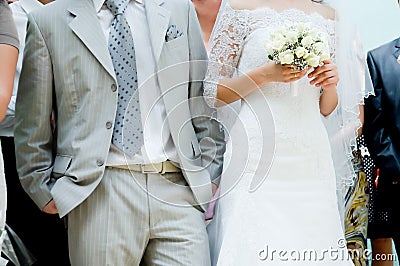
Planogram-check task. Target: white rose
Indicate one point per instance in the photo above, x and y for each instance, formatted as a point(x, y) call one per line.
point(324, 41)
point(308, 25)
point(313, 33)
point(301, 52)
point(279, 37)
point(307, 41)
point(281, 31)
point(269, 49)
point(313, 60)
point(288, 23)
point(278, 45)
point(318, 47)
point(278, 42)
point(291, 36)
point(286, 58)
point(325, 56)
point(301, 27)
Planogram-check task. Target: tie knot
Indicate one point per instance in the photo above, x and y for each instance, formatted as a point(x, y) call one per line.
point(117, 7)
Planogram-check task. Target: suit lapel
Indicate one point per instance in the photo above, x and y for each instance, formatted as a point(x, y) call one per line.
point(87, 27)
point(397, 49)
point(157, 19)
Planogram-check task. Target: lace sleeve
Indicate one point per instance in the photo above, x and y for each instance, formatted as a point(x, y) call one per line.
point(225, 49)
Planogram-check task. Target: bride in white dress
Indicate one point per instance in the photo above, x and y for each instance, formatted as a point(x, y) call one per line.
point(279, 141)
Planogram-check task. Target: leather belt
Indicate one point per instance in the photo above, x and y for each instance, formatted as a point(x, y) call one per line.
point(156, 168)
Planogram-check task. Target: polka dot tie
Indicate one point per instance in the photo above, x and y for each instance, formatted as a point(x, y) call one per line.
point(128, 132)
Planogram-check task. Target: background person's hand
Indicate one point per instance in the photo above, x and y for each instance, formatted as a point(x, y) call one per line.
point(52, 122)
point(214, 188)
point(50, 208)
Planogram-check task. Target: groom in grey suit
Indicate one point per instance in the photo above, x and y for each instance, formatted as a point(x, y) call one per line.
point(135, 152)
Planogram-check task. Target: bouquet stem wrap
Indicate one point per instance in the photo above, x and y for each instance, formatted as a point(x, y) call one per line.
point(294, 88)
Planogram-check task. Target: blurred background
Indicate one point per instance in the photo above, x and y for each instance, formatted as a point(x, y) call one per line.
point(378, 21)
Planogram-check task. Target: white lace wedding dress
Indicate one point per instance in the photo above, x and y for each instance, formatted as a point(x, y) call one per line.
point(292, 218)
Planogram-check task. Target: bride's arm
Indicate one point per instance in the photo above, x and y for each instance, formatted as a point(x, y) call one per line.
point(327, 77)
point(231, 28)
point(232, 89)
point(223, 84)
point(328, 101)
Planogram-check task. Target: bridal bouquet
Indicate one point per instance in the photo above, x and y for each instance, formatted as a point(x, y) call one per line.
point(297, 44)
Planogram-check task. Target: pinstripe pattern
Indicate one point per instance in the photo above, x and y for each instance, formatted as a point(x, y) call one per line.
point(121, 222)
point(57, 66)
point(67, 67)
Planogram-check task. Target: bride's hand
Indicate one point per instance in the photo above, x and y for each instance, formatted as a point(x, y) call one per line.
point(325, 76)
point(281, 73)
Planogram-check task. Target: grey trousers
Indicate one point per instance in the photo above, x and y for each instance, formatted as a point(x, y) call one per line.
point(138, 219)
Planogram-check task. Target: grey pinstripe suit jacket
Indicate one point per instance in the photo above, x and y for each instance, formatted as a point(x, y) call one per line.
point(67, 68)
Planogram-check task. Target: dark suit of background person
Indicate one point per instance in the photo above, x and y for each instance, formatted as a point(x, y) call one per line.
point(43, 234)
point(382, 134)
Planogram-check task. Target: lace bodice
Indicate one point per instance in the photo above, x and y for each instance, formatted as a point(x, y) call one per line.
point(237, 48)
point(232, 34)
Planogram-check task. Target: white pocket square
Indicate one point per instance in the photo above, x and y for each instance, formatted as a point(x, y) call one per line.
point(172, 33)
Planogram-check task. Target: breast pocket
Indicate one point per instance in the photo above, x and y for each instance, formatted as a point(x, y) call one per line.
point(176, 43)
point(176, 51)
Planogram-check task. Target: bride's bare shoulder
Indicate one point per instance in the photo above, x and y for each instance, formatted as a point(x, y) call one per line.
point(326, 11)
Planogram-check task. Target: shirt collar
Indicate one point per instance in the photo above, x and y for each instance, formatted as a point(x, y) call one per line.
point(99, 3)
point(30, 5)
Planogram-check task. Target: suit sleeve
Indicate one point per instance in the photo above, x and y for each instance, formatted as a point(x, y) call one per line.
point(33, 134)
point(208, 130)
point(377, 135)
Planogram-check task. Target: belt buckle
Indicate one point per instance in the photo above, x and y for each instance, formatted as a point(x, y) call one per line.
point(143, 170)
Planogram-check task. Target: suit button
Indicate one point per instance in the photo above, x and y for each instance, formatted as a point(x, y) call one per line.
point(109, 125)
point(100, 162)
point(114, 87)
